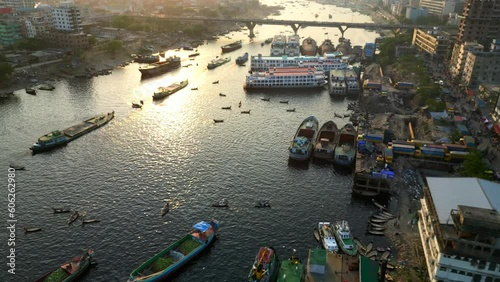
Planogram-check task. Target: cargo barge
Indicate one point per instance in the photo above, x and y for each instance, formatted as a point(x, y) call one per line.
point(59, 138)
point(160, 67)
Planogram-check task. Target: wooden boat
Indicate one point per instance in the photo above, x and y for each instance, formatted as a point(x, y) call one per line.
point(316, 235)
point(139, 105)
point(374, 232)
point(74, 216)
point(369, 247)
point(344, 238)
point(284, 101)
point(265, 99)
point(195, 88)
point(193, 55)
point(218, 120)
point(232, 46)
point(165, 91)
point(388, 214)
point(361, 247)
point(265, 266)
point(48, 87)
point(290, 110)
point(374, 220)
point(31, 230)
point(215, 82)
point(165, 209)
point(30, 91)
point(301, 146)
point(239, 104)
point(226, 108)
point(327, 237)
point(263, 204)
point(309, 47)
point(61, 210)
point(222, 203)
point(383, 208)
point(376, 216)
point(337, 115)
point(390, 266)
point(376, 228)
point(376, 225)
point(168, 261)
point(241, 60)
point(71, 270)
point(291, 270)
point(17, 167)
point(245, 112)
point(345, 149)
point(385, 255)
point(324, 145)
point(222, 95)
point(87, 221)
point(370, 254)
point(218, 62)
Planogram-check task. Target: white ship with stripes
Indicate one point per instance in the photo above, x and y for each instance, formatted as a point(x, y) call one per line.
point(324, 63)
point(288, 77)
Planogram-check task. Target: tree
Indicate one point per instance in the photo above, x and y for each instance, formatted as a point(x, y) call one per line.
point(6, 70)
point(92, 40)
point(114, 45)
point(474, 166)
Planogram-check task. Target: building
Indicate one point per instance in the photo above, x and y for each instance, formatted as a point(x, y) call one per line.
point(492, 91)
point(459, 227)
point(459, 55)
point(439, 8)
point(10, 32)
point(412, 12)
point(68, 40)
point(67, 18)
point(481, 67)
point(20, 4)
point(433, 42)
point(397, 8)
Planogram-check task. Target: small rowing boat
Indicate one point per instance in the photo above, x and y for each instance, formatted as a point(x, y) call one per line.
point(218, 120)
point(71, 270)
point(374, 220)
point(222, 95)
point(61, 210)
point(376, 225)
point(87, 221)
point(165, 209)
point(383, 208)
point(266, 99)
point(369, 247)
point(377, 233)
point(284, 101)
point(291, 110)
point(263, 204)
point(222, 203)
point(74, 216)
point(31, 230)
point(245, 112)
point(316, 234)
point(226, 108)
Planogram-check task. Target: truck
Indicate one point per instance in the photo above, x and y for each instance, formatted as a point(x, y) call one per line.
point(468, 141)
point(431, 152)
point(371, 85)
point(403, 85)
point(401, 149)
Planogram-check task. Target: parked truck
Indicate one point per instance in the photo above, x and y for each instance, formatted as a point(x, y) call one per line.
point(371, 85)
point(403, 85)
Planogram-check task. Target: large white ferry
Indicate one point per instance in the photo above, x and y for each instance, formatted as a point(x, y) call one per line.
point(292, 47)
point(288, 77)
point(343, 82)
point(324, 63)
point(278, 45)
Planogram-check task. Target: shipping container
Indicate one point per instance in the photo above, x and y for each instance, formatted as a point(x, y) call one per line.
point(403, 149)
point(432, 152)
point(374, 138)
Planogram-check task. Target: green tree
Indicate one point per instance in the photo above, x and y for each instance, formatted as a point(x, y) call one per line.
point(474, 166)
point(92, 40)
point(6, 71)
point(121, 21)
point(3, 58)
point(113, 46)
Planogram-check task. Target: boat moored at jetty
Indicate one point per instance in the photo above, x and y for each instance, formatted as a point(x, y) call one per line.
point(278, 45)
point(344, 238)
point(265, 266)
point(71, 270)
point(58, 138)
point(324, 147)
point(163, 92)
point(241, 60)
point(286, 78)
point(231, 47)
point(302, 144)
point(327, 237)
point(160, 67)
point(292, 46)
point(218, 62)
point(168, 261)
point(326, 47)
point(291, 270)
point(345, 149)
point(325, 63)
point(309, 47)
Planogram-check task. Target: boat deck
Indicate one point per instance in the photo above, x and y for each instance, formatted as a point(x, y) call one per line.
point(79, 128)
point(337, 268)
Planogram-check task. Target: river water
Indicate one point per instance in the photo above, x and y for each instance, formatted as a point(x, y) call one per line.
point(172, 150)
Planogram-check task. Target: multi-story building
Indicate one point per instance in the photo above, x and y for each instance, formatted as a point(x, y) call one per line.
point(412, 13)
point(19, 4)
point(459, 55)
point(481, 67)
point(10, 32)
point(68, 40)
point(397, 8)
point(433, 42)
point(459, 227)
point(492, 91)
point(67, 18)
point(439, 7)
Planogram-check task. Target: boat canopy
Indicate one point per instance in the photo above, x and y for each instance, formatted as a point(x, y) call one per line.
point(201, 226)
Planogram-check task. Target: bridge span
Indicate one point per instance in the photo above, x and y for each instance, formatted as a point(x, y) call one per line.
point(296, 25)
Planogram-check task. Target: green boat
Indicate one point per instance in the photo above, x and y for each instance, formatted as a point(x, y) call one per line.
point(168, 261)
point(291, 270)
point(265, 266)
point(344, 238)
point(218, 62)
point(69, 271)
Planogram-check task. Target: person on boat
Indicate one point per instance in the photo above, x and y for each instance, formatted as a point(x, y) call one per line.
point(259, 272)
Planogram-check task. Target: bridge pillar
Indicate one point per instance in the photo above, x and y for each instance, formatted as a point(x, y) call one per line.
point(250, 26)
point(342, 31)
point(295, 28)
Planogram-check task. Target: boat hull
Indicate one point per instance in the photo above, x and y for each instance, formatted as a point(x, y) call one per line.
point(87, 260)
point(160, 95)
point(231, 47)
point(301, 147)
point(160, 67)
point(324, 146)
point(75, 133)
point(268, 258)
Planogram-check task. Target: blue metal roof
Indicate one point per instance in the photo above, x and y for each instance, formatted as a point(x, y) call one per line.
point(201, 226)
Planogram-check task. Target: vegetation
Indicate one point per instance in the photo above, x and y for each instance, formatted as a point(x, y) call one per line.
point(161, 263)
point(113, 46)
point(6, 71)
point(387, 54)
point(31, 44)
point(474, 166)
point(56, 276)
point(430, 20)
point(188, 246)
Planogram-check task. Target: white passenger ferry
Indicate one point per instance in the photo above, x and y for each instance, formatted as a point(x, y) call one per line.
point(325, 63)
point(278, 45)
point(288, 77)
point(344, 82)
point(292, 47)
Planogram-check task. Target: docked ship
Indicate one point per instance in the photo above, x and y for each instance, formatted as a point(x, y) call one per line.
point(163, 92)
point(241, 60)
point(292, 46)
point(289, 77)
point(301, 146)
point(344, 238)
point(309, 47)
point(344, 82)
point(325, 63)
point(157, 68)
point(344, 46)
point(345, 149)
point(278, 45)
point(59, 138)
point(231, 47)
point(218, 62)
point(324, 146)
point(326, 47)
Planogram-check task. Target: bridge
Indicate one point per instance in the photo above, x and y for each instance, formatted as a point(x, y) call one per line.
point(296, 25)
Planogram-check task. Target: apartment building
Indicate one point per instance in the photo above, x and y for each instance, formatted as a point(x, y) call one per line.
point(433, 42)
point(67, 18)
point(10, 32)
point(459, 227)
point(481, 67)
point(412, 13)
point(439, 7)
point(459, 55)
point(19, 4)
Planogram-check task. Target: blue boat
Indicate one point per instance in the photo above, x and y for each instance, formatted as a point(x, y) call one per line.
point(168, 261)
point(241, 60)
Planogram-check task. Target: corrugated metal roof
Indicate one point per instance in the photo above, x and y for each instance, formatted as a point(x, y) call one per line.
point(492, 191)
point(449, 192)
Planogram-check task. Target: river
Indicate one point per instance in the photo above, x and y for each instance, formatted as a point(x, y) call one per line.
point(172, 150)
